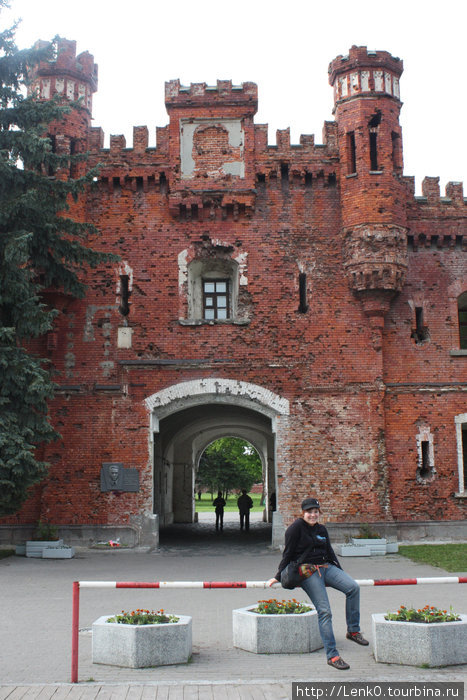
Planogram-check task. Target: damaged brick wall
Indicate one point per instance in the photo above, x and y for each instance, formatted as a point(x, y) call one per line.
point(331, 258)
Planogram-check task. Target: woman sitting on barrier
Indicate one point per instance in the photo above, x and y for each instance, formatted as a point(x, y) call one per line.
point(307, 542)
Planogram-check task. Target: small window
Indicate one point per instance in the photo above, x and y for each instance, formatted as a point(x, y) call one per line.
point(462, 309)
point(373, 150)
point(373, 125)
point(425, 461)
point(461, 437)
point(216, 299)
point(426, 471)
point(351, 154)
point(396, 151)
point(420, 332)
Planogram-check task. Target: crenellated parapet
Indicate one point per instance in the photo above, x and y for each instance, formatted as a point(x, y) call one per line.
point(364, 72)
point(71, 76)
point(202, 95)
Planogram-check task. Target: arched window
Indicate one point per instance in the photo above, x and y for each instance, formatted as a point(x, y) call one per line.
point(462, 314)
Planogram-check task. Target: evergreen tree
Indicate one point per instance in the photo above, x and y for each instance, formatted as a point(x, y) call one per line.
point(40, 248)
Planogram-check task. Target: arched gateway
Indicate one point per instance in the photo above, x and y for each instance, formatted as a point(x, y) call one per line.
point(187, 417)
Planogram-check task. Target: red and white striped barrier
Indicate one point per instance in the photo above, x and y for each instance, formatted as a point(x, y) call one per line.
point(217, 585)
point(261, 584)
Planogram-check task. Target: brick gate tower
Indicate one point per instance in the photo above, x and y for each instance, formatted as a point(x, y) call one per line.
point(72, 78)
point(374, 224)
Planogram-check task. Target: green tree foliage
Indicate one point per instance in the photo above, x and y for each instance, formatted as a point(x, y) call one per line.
point(229, 464)
point(40, 248)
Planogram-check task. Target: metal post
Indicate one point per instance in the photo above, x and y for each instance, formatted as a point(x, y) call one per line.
point(75, 633)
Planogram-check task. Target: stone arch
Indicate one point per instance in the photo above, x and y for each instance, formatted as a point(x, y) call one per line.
point(222, 390)
point(186, 417)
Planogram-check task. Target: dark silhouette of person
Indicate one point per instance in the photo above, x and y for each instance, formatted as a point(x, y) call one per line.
point(272, 501)
point(244, 504)
point(219, 504)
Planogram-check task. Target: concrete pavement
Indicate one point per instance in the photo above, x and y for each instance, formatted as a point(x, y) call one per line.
point(35, 632)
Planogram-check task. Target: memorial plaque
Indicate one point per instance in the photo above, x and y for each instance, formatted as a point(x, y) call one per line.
point(130, 480)
point(114, 477)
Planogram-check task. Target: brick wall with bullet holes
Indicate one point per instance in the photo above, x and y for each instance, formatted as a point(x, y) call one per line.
point(345, 297)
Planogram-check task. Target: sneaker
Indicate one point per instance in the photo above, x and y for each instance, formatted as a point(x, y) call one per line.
point(357, 637)
point(339, 663)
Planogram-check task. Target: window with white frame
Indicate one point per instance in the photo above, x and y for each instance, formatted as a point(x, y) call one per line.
point(461, 439)
point(213, 290)
point(426, 457)
point(216, 299)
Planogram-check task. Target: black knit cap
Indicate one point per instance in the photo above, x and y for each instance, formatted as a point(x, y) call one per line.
point(309, 503)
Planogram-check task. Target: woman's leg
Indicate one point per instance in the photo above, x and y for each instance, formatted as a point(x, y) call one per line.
point(314, 587)
point(336, 578)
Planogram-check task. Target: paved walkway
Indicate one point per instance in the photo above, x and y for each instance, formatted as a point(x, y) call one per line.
point(35, 629)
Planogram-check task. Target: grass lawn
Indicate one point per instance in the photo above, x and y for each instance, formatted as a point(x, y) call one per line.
point(450, 557)
point(205, 504)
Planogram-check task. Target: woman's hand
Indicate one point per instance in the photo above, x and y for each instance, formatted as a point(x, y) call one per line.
point(271, 582)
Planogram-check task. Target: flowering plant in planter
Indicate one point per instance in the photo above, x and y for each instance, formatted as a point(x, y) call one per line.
point(281, 607)
point(143, 617)
point(427, 614)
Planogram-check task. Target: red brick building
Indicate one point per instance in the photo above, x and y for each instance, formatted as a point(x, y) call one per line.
point(298, 296)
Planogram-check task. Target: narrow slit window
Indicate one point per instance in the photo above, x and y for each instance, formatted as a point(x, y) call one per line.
point(464, 453)
point(420, 332)
point(373, 135)
point(303, 306)
point(216, 299)
point(462, 313)
point(425, 467)
point(124, 307)
point(396, 152)
point(373, 149)
point(351, 153)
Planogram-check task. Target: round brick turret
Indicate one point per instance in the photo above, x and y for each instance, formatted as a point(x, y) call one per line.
point(367, 106)
point(72, 78)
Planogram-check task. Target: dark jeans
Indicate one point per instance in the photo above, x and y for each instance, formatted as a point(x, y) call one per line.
point(219, 519)
point(315, 588)
point(245, 520)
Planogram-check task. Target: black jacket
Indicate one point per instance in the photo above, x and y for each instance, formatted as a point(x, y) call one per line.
point(307, 544)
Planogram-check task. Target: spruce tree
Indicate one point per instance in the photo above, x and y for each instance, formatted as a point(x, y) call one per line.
point(40, 248)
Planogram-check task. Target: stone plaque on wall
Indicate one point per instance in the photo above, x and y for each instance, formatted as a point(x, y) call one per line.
point(115, 477)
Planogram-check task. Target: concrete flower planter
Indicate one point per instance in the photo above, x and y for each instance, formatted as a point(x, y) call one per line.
point(62, 552)
point(34, 548)
point(354, 550)
point(275, 634)
point(377, 546)
point(418, 643)
point(392, 547)
point(140, 646)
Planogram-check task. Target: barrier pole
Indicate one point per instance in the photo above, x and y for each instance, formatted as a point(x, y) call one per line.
point(75, 633)
point(218, 584)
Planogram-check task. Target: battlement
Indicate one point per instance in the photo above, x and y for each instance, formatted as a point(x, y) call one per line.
point(72, 76)
point(81, 67)
point(363, 71)
point(201, 94)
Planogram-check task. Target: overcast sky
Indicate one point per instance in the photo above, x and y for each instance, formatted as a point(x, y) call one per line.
point(285, 47)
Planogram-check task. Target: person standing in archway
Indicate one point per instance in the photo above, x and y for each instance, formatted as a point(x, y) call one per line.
point(244, 504)
point(219, 504)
